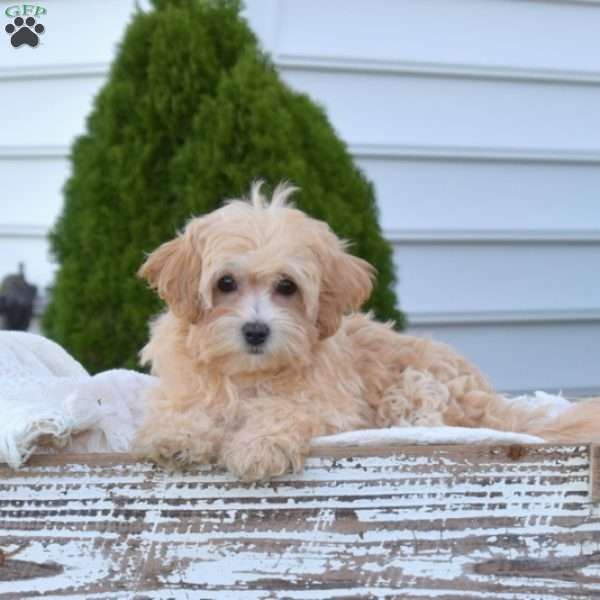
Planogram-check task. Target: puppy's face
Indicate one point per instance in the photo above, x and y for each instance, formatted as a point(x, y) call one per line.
point(259, 284)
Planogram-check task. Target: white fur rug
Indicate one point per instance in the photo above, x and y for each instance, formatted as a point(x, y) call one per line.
point(48, 399)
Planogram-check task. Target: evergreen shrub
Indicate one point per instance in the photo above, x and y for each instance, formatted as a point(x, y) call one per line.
point(191, 114)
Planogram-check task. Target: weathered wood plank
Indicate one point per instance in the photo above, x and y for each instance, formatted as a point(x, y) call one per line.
point(595, 472)
point(443, 522)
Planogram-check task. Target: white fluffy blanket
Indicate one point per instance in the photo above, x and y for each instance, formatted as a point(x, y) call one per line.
point(48, 399)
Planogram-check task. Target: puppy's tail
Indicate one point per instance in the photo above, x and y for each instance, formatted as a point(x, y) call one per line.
point(577, 423)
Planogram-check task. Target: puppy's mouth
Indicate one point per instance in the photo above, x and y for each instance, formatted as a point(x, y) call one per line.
point(256, 350)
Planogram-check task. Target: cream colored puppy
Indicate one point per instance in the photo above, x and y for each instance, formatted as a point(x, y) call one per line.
point(261, 349)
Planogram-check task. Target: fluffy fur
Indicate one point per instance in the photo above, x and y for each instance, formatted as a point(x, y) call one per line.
point(324, 368)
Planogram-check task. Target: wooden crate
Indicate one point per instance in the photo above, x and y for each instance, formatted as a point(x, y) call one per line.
point(443, 522)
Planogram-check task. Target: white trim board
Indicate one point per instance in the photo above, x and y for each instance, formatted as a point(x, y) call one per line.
point(31, 152)
point(338, 64)
point(474, 153)
point(54, 71)
point(367, 151)
point(536, 316)
point(399, 237)
point(501, 236)
point(8, 230)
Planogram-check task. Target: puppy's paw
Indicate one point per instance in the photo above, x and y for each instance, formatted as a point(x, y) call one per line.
point(261, 459)
point(175, 451)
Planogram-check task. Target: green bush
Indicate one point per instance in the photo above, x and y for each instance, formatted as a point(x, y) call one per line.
point(191, 113)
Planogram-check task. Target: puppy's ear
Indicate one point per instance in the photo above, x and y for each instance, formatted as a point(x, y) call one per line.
point(173, 270)
point(346, 285)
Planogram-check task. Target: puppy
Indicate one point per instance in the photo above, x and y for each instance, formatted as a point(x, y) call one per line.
point(262, 348)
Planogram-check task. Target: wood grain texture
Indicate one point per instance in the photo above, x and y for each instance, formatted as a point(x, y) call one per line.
point(444, 522)
point(595, 472)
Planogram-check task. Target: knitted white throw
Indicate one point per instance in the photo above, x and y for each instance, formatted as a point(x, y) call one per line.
point(47, 399)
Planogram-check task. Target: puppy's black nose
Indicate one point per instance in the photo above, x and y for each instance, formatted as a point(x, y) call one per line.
point(256, 333)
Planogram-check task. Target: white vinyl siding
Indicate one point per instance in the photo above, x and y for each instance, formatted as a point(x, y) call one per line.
point(477, 120)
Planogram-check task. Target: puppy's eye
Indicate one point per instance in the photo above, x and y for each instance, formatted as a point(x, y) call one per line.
point(227, 284)
point(286, 287)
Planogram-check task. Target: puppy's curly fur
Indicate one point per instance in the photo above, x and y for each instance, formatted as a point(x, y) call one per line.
point(310, 365)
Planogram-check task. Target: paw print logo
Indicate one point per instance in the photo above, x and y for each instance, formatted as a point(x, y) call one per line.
point(24, 32)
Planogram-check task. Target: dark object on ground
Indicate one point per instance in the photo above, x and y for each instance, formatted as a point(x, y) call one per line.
point(16, 301)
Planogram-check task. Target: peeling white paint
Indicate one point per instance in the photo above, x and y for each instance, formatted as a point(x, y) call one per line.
point(408, 522)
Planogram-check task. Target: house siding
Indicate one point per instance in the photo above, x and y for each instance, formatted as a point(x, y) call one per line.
point(477, 120)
